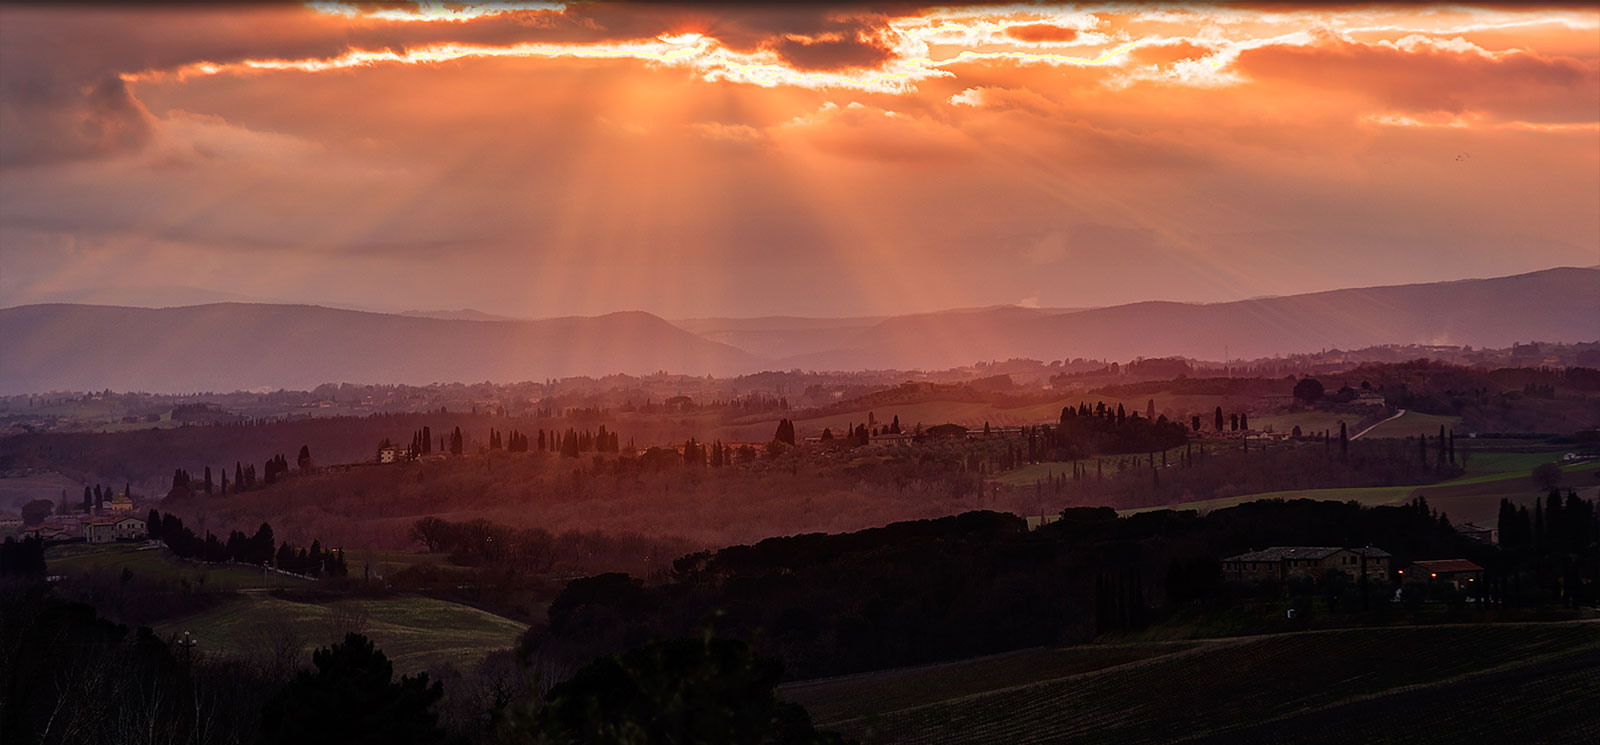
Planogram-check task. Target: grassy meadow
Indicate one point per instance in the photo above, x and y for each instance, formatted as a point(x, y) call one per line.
point(84, 558)
point(1412, 424)
point(1473, 497)
point(417, 633)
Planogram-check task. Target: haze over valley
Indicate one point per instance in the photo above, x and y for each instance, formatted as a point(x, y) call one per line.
point(235, 346)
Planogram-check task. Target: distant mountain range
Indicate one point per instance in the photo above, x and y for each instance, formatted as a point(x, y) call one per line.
point(233, 346)
point(1555, 305)
point(229, 346)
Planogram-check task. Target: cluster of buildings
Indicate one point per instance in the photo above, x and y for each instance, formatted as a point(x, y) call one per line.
point(1283, 563)
point(116, 521)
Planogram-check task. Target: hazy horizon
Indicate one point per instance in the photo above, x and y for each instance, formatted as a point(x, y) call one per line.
point(121, 297)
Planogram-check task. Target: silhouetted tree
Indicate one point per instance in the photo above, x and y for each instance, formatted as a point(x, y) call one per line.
point(1547, 476)
point(707, 690)
point(1308, 391)
point(352, 697)
point(35, 511)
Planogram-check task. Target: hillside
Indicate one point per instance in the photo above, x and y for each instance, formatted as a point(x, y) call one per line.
point(232, 346)
point(1552, 305)
point(1520, 682)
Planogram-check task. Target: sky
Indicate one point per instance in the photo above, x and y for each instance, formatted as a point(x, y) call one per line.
point(544, 160)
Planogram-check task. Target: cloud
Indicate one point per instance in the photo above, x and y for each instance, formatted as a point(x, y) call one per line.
point(968, 97)
point(736, 133)
point(833, 51)
point(1168, 51)
point(62, 95)
point(1041, 32)
point(510, 174)
point(1422, 75)
point(862, 132)
point(46, 123)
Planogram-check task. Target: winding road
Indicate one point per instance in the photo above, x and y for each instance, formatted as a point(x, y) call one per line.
point(1397, 415)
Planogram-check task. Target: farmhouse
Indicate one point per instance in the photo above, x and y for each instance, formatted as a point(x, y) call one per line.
point(1458, 573)
point(108, 529)
point(9, 522)
point(393, 454)
point(1280, 563)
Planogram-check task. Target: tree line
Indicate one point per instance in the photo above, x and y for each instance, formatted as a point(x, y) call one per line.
point(979, 583)
point(257, 549)
point(1551, 552)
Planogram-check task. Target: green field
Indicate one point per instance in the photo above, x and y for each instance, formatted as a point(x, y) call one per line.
point(384, 563)
point(415, 632)
point(1221, 687)
point(1474, 497)
point(1411, 424)
point(79, 558)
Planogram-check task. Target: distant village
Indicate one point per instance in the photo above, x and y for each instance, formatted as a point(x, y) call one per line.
point(97, 520)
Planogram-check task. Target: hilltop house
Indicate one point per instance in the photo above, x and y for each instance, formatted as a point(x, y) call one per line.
point(1281, 563)
point(393, 454)
point(9, 522)
point(1458, 573)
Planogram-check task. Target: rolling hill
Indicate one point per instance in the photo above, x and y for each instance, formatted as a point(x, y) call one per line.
point(1555, 305)
point(232, 346)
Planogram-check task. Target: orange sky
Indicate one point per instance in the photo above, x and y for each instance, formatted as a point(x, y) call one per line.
point(734, 160)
